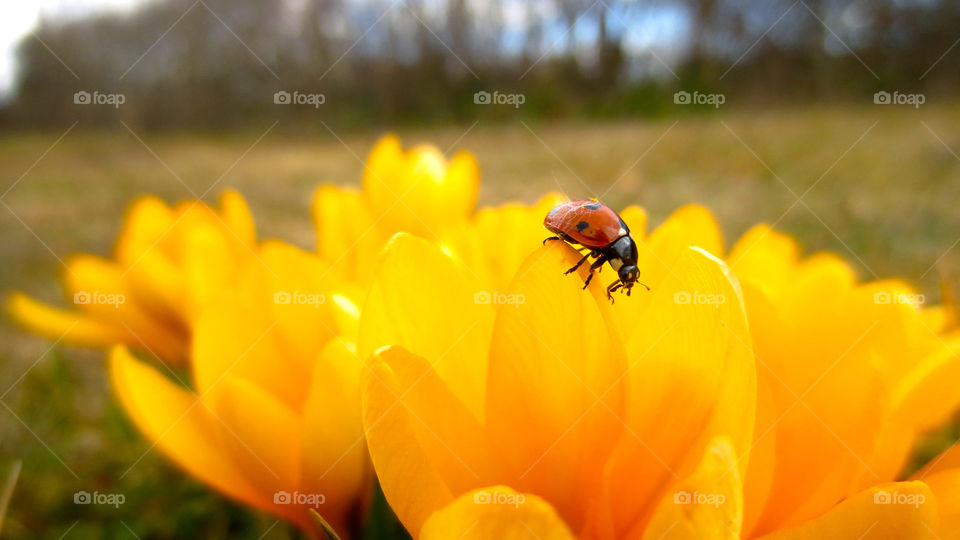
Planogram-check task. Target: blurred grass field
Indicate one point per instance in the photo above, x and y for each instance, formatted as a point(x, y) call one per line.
point(880, 187)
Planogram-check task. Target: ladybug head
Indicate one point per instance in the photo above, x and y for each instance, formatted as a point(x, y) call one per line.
point(629, 274)
point(622, 254)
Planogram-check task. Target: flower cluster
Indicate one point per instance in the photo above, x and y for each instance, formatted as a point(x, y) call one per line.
point(751, 393)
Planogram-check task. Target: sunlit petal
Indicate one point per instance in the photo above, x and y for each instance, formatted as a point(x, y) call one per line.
point(496, 512)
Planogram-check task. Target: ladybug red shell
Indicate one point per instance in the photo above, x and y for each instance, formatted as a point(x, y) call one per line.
point(588, 223)
point(595, 226)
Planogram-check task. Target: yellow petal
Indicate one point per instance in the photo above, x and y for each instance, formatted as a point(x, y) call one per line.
point(232, 337)
point(346, 315)
point(827, 274)
point(148, 222)
point(689, 226)
point(424, 301)
point(691, 365)
point(333, 450)
point(496, 512)
point(385, 154)
point(555, 389)
point(445, 431)
point(706, 505)
point(894, 444)
point(942, 474)
point(764, 257)
point(298, 290)
point(928, 393)
point(462, 179)
point(762, 457)
point(900, 337)
point(417, 190)
point(236, 215)
point(98, 287)
point(830, 392)
point(179, 425)
point(261, 434)
point(899, 511)
point(945, 486)
point(410, 479)
point(56, 324)
point(149, 264)
point(160, 288)
point(348, 237)
point(208, 265)
point(636, 219)
point(497, 256)
point(272, 327)
point(938, 318)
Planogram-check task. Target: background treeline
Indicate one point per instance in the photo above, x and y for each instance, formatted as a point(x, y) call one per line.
point(216, 64)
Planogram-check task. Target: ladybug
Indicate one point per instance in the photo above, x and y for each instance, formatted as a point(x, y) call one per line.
point(594, 226)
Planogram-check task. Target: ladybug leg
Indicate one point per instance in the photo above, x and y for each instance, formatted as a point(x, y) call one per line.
point(545, 240)
point(595, 266)
point(580, 262)
point(613, 288)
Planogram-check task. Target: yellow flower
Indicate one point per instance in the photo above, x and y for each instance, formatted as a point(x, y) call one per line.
point(168, 264)
point(851, 372)
point(271, 415)
point(502, 400)
point(545, 410)
point(271, 409)
point(415, 191)
point(848, 373)
point(546, 391)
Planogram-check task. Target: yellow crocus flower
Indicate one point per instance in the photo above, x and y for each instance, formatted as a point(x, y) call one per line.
point(849, 374)
point(168, 264)
point(606, 422)
point(416, 191)
point(540, 390)
point(270, 416)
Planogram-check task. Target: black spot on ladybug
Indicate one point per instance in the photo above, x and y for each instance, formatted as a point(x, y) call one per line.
point(593, 206)
point(582, 226)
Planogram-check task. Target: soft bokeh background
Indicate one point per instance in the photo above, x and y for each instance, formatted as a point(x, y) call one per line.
point(798, 141)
